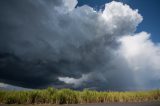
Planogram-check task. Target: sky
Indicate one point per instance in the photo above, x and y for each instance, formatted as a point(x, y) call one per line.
point(149, 10)
point(94, 44)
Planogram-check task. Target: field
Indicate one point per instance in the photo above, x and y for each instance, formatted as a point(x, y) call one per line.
point(99, 104)
point(68, 96)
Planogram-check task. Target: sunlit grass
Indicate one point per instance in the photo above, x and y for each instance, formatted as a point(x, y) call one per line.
point(68, 96)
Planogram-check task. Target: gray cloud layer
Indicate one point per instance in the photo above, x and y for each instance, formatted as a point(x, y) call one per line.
point(52, 43)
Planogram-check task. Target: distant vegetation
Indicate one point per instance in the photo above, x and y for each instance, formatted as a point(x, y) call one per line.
point(67, 96)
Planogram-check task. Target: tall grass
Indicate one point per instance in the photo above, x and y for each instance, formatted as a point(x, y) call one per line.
point(68, 96)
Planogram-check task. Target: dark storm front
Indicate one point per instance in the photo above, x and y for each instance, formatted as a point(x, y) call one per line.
point(59, 43)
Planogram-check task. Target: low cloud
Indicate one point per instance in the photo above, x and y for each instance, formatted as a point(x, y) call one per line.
point(76, 82)
point(4, 86)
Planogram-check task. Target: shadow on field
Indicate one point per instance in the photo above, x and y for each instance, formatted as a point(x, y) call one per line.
point(100, 104)
point(121, 104)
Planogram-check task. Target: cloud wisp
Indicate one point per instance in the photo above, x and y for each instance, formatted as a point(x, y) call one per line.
point(54, 43)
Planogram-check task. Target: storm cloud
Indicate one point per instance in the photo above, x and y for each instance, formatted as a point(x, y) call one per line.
point(57, 43)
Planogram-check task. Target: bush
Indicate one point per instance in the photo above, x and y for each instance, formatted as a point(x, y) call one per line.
point(68, 96)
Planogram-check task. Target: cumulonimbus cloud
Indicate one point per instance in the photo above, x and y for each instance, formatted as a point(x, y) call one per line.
point(58, 44)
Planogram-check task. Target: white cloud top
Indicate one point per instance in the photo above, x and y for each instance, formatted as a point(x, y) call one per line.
point(121, 18)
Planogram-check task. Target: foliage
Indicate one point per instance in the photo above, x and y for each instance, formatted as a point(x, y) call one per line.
point(68, 96)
